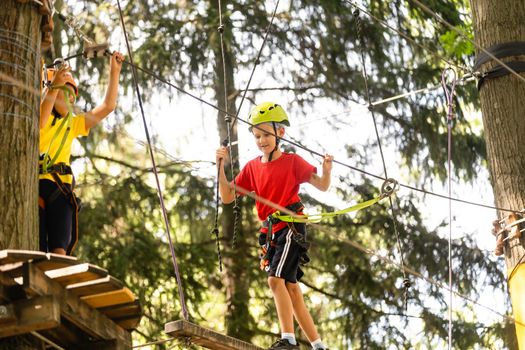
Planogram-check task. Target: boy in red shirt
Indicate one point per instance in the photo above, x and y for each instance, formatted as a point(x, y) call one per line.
point(276, 176)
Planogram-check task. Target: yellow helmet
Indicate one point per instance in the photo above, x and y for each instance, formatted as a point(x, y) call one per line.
point(268, 112)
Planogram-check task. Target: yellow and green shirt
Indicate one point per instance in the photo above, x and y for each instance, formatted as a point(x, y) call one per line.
point(47, 134)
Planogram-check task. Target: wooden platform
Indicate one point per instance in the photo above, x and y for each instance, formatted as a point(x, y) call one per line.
point(205, 337)
point(76, 305)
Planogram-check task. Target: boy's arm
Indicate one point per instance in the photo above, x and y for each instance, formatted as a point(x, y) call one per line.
point(225, 189)
point(110, 101)
point(323, 182)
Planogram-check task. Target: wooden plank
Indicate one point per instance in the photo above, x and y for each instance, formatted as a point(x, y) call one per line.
point(115, 297)
point(122, 310)
point(206, 337)
point(55, 261)
point(11, 256)
point(89, 320)
point(101, 285)
point(32, 315)
point(76, 274)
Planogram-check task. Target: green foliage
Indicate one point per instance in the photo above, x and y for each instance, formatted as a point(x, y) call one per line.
point(313, 52)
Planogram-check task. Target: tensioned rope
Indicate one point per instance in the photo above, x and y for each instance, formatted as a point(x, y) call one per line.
point(297, 144)
point(413, 188)
point(449, 97)
point(464, 36)
point(406, 281)
point(159, 190)
point(257, 61)
point(371, 252)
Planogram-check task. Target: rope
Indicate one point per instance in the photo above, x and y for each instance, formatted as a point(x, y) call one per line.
point(464, 36)
point(332, 233)
point(161, 199)
point(406, 281)
point(229, 127)
point(388, 188)
point(257, 60)
point(449, 95)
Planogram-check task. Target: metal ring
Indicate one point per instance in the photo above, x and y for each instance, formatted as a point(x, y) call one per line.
point(389, 187)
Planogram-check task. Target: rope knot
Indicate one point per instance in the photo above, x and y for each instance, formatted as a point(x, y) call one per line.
point(220, 29)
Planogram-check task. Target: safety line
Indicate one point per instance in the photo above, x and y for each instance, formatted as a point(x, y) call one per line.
point(449, 97)
point(297, 144)
point(332, 233)
point(462, 34)
point(462, 81)
point(257, 60)
point(393, 212)
point(159, 190)
point(229, 129)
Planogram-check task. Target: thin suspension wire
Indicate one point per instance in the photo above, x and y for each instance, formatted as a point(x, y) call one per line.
point(449, 96)
point(337, 236)
point(409, 187)
point(159, 190)
point(464, 36)
point(256, 62)
point(23, 86)
point(406, 281)
point(408, 38)
point(229, 127)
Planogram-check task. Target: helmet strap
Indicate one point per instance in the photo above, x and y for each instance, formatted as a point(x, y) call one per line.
point(276, 142)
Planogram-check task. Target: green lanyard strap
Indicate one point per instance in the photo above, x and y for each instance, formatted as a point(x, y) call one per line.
point(387, 189)
point(47, 161)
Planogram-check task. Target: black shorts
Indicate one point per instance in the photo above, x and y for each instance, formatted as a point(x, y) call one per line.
point(56, 220)
point(285, 254)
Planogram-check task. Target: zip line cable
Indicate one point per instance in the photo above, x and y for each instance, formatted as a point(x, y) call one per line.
point(406, 281)
point(161, 199)
point(332, 233)
point(449, 96)
point(464, 36)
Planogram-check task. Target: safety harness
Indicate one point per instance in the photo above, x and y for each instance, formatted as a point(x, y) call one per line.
point(267, 237)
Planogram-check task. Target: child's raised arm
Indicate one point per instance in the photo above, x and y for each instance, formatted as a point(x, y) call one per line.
point(110, 101)
point(323, 182)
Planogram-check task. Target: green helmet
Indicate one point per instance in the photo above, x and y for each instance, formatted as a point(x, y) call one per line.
point(267, 112)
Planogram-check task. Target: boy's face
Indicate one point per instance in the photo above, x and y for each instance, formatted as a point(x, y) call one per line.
point(264, 137)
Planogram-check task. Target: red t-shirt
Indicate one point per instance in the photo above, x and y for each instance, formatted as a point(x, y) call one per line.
point(277, 181)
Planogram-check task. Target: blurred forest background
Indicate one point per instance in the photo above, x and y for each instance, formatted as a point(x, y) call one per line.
point(311, 59)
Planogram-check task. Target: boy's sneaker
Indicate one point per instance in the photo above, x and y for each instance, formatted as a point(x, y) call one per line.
point(283, 344)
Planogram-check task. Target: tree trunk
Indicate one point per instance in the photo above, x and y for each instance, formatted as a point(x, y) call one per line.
point(238, 320)
point(19, 107)
point(20, 40)
point(499, 22)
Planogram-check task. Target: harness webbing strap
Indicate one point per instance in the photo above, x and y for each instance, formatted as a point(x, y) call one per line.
point(320, 216)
